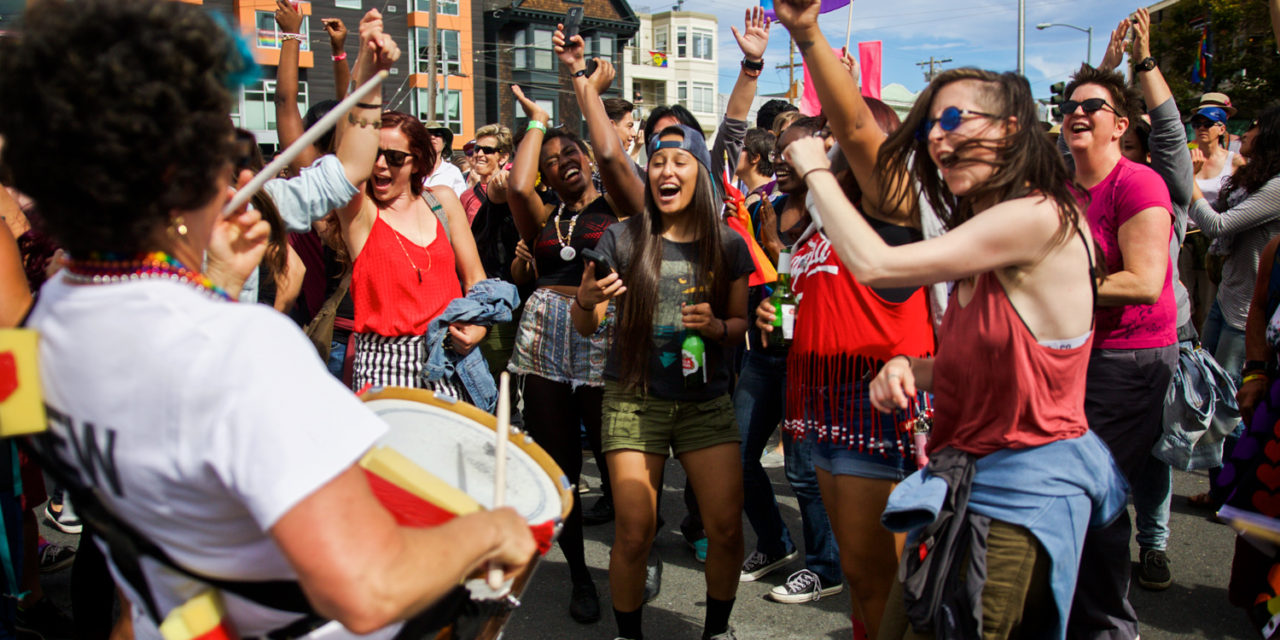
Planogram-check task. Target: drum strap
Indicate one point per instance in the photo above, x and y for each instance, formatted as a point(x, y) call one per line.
point(127, 547)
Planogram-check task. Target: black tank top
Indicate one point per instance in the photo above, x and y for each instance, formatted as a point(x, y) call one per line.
point(549, 252)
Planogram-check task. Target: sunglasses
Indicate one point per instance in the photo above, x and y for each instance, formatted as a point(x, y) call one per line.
point(1090, 106)
point(1202, 124)
point(394, 158)
point(949, 121)
point(488, 151)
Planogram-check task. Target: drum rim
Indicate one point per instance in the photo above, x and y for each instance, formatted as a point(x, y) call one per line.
point(482, 417)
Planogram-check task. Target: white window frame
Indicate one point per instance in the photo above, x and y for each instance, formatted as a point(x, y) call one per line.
point(682, 42)
point(702, 97)
point(243, 112)
point(443, 7)
point(448, 112)
point(446, 65)
point(703, 44)
point(349, 4)
point(270, 38)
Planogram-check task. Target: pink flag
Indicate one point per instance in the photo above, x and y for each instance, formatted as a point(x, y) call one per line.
point(869, 59)
point(809, 104)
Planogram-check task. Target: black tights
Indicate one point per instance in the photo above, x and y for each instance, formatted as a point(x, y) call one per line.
point(553, 412)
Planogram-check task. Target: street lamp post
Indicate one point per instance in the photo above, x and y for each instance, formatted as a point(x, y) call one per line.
point(1088, 54)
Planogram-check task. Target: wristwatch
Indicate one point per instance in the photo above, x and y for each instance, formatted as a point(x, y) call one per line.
point(1148, 63)
point(579, 73)
point(752, 67)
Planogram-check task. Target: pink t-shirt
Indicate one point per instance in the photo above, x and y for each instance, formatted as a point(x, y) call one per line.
point(1129, 189)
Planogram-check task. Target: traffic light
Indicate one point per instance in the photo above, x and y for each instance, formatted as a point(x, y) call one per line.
point(1056, 98)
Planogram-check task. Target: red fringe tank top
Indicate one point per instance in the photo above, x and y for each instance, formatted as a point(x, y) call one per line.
point(399, 287)
point(844, 333)
point(995, 386)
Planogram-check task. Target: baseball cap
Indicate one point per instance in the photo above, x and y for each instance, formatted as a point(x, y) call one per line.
point(1216, 114)
point(691, 141)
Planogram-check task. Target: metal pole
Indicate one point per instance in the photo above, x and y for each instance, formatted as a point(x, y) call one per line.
point(431, 62)
point(1088, 54)
point(1022, 36)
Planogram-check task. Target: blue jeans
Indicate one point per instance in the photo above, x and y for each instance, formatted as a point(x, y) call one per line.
point(337, 354)
point(1226, 343)
point(759, 402)
point(1152, 494)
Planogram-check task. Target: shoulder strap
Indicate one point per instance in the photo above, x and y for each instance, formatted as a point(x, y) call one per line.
point(438, 209)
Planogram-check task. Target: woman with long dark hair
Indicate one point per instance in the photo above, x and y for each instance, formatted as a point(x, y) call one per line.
point(1009, 374)
point(686, 293)
point(561, 371)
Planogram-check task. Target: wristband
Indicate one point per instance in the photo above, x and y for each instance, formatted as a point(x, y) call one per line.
point(291, 36)
point(580, 73)
point(584, 307)
point(534, 124)
point(806, 175)
point(340, 57)
point(1253, 376)
point(752, 69)
point(724, 326)
point(366, 105)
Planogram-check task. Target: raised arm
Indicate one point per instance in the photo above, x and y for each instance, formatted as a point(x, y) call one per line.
point(526, 207)
point(727, 147)
point(288, 121)
point(1008, 234)
point(1260, 207)
point(1154, 88)
point(851, 119)
point(15, 295)
point(620, 181)
point(338, 43)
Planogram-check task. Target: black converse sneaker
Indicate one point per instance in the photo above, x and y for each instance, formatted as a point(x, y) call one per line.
point(758, 565)
point(803, 586)
point(1153, 573)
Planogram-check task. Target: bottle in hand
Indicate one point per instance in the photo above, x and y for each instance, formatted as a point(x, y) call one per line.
point(784, 305)
point(693, 359)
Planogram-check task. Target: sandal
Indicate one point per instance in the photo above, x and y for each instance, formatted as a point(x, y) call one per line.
point(1200, 501)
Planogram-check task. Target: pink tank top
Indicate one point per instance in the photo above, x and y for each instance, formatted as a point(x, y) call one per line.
point(995, 387)
point(398, 287)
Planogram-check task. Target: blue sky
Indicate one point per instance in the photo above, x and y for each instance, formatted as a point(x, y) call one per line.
point(982, 33)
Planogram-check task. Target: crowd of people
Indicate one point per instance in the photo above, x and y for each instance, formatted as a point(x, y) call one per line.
point(966, 329)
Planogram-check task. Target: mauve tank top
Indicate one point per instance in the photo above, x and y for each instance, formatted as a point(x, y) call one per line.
point(385, 288)
point(995, 387)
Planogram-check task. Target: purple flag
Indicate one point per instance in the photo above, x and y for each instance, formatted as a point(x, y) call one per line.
point(827, 5)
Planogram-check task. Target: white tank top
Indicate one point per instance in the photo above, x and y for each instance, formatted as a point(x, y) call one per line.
point(1210, 187)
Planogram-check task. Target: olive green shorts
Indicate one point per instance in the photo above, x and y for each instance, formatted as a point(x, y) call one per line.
point(638, 422)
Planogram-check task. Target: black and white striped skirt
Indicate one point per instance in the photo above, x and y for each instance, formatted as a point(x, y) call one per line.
point(396, 361)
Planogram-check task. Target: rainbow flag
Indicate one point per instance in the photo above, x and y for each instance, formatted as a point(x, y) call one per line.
point(827, 5)
point(1200, 72)
point(739, 219)
point(659, 58)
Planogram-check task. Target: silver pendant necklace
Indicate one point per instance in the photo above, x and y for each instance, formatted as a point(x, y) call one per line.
point(567, 252)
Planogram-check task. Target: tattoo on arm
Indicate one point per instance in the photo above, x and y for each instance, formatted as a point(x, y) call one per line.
point(803, 45)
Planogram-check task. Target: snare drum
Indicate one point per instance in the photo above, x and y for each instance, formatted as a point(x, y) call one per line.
point(453, 442)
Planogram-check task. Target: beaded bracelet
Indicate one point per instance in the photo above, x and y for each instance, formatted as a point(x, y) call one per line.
point(292, 36)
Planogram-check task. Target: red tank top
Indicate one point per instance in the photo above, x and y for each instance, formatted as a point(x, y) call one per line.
point(995, 387)
point(389, 298)
point(845, 331)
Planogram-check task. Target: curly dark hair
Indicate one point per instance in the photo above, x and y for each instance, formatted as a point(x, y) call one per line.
point(424, 153)
point(759, 142)
point(1264, 157)
point(115, 114)
point(1124, 99)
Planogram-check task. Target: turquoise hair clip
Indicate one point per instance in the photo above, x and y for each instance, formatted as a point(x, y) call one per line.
point(242, 69)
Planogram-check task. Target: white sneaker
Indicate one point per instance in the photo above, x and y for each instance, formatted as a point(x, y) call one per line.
point(727, 635)
point(803, 586)
point(758, 565)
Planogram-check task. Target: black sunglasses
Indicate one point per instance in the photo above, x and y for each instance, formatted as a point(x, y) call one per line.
point(1201, 123)
point(949, 121)
point(394, 158)
point(1090, 106)
point(488, 151)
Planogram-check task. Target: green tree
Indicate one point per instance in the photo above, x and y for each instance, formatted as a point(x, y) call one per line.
point(1244, 64)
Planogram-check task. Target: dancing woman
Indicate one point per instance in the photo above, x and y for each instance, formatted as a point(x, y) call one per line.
point(687, 276)
point(1019, 321)
point(562, 370)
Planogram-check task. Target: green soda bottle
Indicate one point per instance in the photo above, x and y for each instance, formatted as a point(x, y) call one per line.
point(693, 359)
point(784, 305)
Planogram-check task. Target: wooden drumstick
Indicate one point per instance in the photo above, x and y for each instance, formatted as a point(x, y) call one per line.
point(500, 463)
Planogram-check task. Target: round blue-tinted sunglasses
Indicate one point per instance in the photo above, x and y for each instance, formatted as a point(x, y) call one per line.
point(949, 121)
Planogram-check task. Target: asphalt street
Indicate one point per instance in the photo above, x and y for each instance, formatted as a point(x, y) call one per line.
point(1194, 607)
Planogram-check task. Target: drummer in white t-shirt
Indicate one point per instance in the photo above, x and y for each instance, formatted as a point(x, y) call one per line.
point(208, 427)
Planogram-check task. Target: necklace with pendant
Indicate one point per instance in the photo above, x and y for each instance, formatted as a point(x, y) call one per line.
point(567, 252)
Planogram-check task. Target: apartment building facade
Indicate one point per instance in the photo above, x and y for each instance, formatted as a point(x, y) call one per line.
point(673, 59)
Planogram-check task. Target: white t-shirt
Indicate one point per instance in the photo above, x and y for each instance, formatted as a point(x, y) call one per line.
point(211, 420)
point(449, 175)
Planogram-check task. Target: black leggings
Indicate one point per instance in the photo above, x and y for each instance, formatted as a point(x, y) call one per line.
point(553, 412)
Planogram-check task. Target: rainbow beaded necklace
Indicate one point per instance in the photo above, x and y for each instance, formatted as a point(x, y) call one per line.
point(158, 265)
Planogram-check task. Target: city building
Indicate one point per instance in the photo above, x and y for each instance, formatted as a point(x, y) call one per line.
point(671, 60)
point(518, 51)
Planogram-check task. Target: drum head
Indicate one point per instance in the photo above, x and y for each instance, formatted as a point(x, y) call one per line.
point(460, 451)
